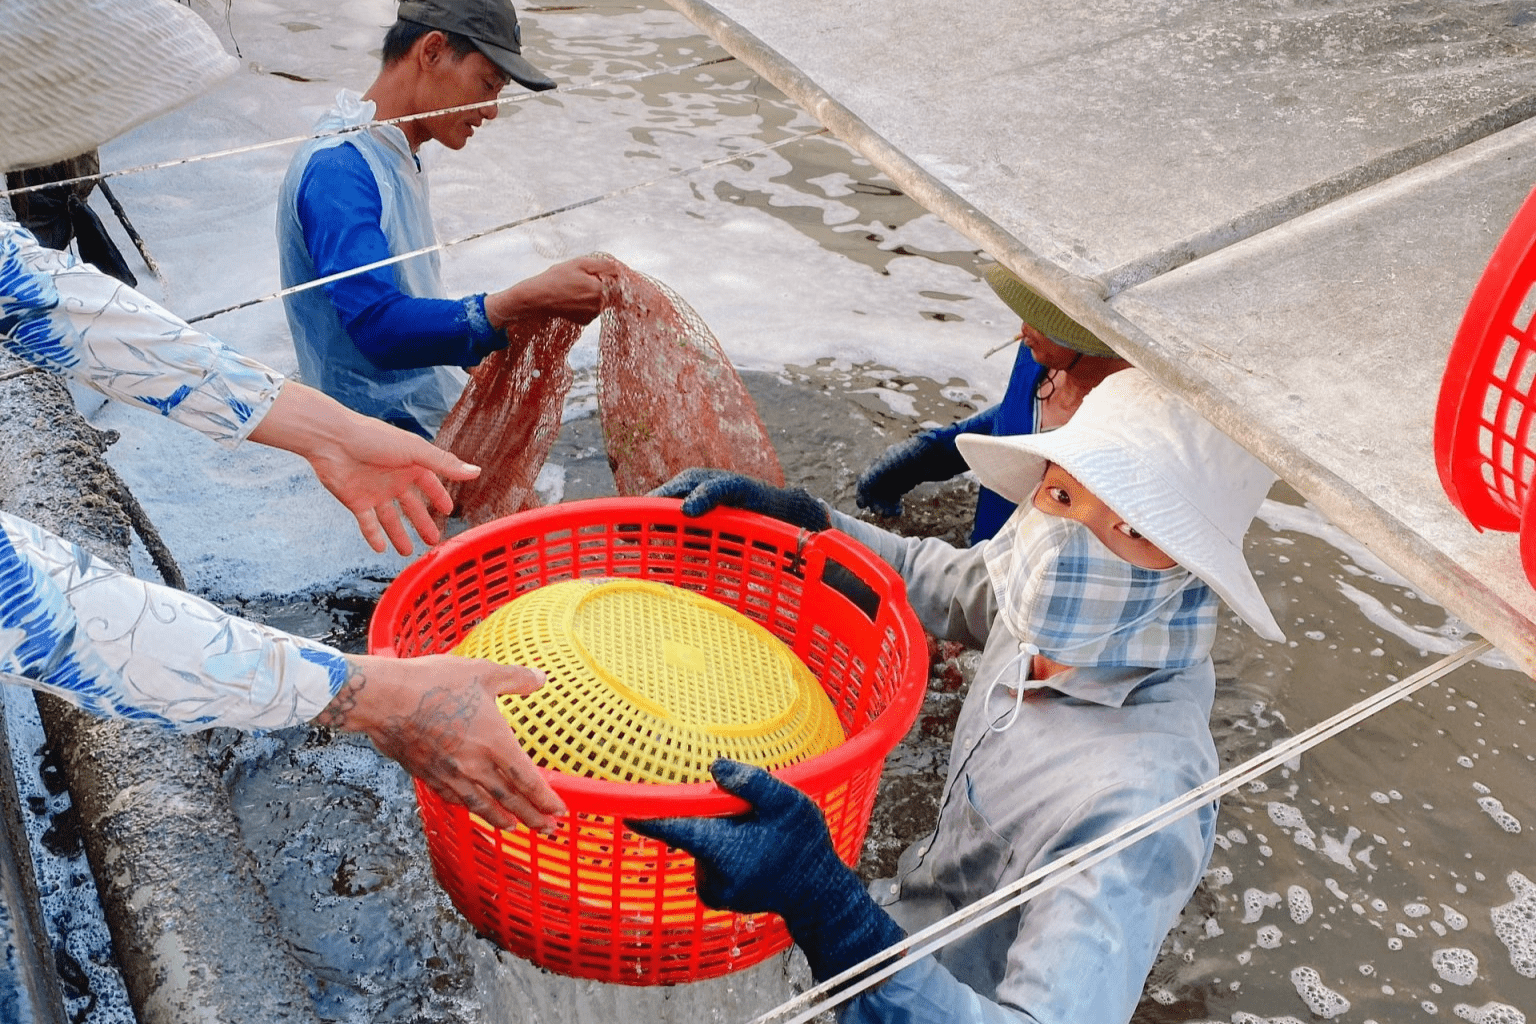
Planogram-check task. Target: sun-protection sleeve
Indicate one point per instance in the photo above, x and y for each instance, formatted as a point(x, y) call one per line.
point(122, 647)
point(70, 318)
point(948, 587)
point(926, 993)
point(341, 213)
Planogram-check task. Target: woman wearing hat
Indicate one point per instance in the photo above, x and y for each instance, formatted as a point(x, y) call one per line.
point(77, 73)
point(1058, 362)
point(1095, 609)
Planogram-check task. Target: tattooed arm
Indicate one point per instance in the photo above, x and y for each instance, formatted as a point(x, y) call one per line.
point(437, 716)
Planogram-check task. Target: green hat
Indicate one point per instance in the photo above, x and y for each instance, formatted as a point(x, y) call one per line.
point(1043, 315)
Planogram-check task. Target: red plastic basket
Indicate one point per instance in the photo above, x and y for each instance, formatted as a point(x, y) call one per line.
point(1483, 447)
point(595, 900)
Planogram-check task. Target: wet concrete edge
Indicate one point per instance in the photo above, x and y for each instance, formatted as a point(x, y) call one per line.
point(1449, 583)
point(194, 933)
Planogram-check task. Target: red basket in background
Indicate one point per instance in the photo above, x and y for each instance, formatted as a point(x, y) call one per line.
point(596, 900)
point(1483, 443)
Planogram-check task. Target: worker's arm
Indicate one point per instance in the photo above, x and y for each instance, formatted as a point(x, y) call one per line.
point(341, 214)
point(947, 586)
point(122, 647)
point(73, 319)
point(1085, 947)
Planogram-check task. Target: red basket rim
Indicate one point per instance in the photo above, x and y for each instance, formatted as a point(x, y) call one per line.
point(1470, 361)
point(702, 799)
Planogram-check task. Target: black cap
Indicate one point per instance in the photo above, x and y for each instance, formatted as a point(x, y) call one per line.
point(490, 24)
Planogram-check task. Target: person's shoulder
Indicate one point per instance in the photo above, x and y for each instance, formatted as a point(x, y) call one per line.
point(338, 176)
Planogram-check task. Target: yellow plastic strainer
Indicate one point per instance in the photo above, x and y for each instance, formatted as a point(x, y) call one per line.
point(649, 682)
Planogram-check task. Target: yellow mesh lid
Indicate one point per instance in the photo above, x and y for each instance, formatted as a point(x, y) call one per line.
point(650, 683)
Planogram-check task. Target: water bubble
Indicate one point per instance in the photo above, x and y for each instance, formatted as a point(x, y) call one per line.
point(1268, 937)
point(1300, 903)
point(1219, 876)
point(1381, 797)
point(1366, 970)
point(1453, 917)
point(1416, 909)
point(1455, 965)
point(1254, 903)
point(1495, 809)
point(1515, 924)
point(1320, 999)
point(1464, 760)
point(1489, 1013)
point(1394, 943)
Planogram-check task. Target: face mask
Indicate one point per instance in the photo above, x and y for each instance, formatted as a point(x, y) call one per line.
point(1063, 594)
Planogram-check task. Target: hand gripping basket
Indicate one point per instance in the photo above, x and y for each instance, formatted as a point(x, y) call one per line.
point(595, 900)
point(1483, 443)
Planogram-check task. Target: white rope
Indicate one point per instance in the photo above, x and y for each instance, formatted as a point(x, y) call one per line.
point(966, 920)
point(365, 268)
point(253, 147)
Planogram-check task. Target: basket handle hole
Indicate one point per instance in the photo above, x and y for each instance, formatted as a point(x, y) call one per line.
point(843, 580)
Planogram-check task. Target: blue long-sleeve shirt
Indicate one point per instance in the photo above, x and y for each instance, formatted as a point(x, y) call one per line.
point(341, 212)
point(386, 342)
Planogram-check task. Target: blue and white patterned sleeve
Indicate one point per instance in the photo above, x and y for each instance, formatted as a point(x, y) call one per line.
point(71, 318)
point(122, 647)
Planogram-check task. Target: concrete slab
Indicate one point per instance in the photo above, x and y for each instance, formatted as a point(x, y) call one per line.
point(1103, 134)
point(1096, 147)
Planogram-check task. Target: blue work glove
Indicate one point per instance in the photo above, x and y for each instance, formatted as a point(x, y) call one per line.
point(929, 456)
point(779, 858)
point(705, 489)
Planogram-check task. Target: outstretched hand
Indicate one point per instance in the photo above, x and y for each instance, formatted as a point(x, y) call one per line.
point(779, 857)
point(380, 472)
point(705, 489)
point(377, 471)
point(437, 716)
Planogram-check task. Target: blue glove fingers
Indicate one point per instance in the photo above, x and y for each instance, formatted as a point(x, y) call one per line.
point(698, 836)
point(684, 483)
point(772, 799)
point(733, 859)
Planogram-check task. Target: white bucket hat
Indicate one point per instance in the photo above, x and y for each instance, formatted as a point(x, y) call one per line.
point(76, 73)
point(1186, 486)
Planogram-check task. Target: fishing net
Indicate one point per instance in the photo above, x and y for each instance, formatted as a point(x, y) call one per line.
point(668, 397)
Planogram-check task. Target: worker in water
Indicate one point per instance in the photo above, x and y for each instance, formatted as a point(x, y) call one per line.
point(1058, 362)
point(75, 73)
point(1095, 609)
point(387, 342)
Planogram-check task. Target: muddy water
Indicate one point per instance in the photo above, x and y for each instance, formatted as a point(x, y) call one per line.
point(1385, 876)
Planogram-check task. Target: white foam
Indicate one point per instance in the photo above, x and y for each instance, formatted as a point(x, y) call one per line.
point(1255, 901)
point(1489, 1013)
point(1300, 903)
point(1515, 924)
point(1268, 937)
point(1494, 808)
point(1456, 966)
point(1320, 999)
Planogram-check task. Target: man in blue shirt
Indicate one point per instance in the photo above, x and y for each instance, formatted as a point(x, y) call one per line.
point(387, 342)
